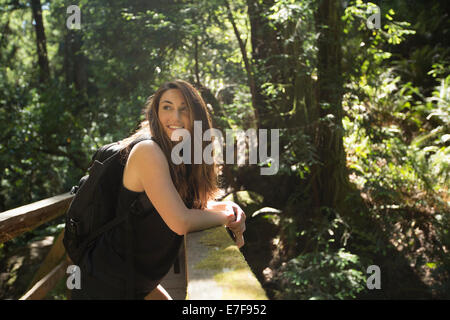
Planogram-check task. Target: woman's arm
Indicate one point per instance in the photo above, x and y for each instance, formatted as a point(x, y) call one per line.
point(148, 160)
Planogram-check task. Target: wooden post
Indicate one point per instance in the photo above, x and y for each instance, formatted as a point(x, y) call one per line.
point(52, 259)
point(43, 286)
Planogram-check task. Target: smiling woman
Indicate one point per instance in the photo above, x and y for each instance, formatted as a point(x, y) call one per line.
point(181, 196)
point(174, 105)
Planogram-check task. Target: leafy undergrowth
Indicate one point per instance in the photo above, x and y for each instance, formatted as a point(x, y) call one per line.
point(419, 233)
point(398, 153)
point(409, 245)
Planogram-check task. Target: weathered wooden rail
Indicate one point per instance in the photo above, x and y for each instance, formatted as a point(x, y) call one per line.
point(211, 266)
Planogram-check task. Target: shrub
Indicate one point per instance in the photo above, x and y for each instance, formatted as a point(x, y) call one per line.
point(321, 275)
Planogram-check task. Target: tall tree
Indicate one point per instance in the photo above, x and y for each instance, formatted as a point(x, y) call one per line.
point(297, 51)
point(75, 63)
point(329, 179)
point(41, 44)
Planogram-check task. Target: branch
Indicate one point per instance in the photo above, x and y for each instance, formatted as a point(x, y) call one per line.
point(251, 81)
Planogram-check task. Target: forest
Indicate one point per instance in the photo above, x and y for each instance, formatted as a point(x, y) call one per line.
point(359, 91)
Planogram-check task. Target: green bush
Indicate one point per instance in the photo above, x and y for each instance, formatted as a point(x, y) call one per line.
point(321, 275)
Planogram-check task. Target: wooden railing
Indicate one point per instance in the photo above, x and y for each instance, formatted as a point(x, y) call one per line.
point(211, 267)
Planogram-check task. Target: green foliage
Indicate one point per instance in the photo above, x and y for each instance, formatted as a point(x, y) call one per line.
point(325, 275)
point(328, 266)
point(397, 150)
point(382, 154)
point(241, 108)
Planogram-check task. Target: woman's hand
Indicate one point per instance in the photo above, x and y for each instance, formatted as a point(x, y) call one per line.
point(237, 226)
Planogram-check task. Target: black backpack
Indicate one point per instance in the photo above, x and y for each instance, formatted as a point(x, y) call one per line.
point(93, 209)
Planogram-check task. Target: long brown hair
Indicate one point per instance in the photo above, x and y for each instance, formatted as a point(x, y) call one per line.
point(196, 183)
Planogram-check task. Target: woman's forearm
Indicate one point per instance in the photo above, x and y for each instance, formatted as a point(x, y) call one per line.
point(203, 219)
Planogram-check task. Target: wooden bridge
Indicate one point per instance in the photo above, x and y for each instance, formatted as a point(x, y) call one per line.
point(210, 265)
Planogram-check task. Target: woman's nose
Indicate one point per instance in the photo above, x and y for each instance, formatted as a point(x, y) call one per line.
point(178, 115)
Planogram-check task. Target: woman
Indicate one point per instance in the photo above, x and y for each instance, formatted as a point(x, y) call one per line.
point(181, 194)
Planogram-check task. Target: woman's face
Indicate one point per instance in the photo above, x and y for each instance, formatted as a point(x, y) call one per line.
point(173, 112)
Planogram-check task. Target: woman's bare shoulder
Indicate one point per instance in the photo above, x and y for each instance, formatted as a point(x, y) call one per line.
point(146, 145)
point(145, 159)
point(147, 150)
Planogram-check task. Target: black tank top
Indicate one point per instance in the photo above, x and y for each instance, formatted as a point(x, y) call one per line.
point(156, 247)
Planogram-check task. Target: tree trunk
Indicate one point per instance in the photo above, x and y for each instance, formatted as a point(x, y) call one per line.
point(330, 179)
point(264, 46)
point(44, 70)
point(75, 62)
point(196, 69)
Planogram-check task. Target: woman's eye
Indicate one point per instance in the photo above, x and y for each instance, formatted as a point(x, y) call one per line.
point(166, 107)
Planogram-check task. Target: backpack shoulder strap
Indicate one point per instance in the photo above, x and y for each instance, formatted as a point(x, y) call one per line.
point(104, 153)
point(142, 202)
